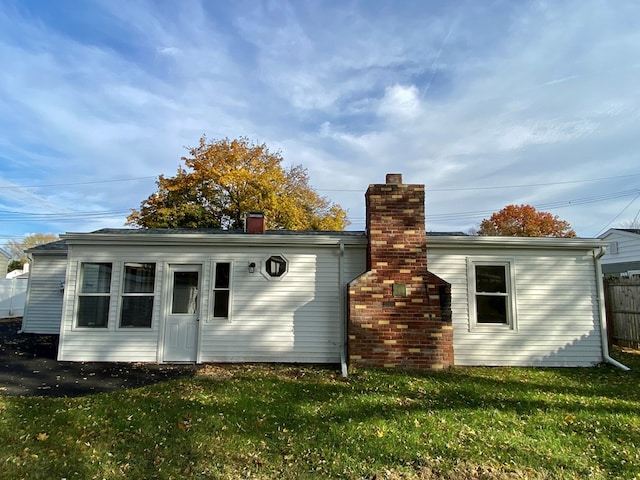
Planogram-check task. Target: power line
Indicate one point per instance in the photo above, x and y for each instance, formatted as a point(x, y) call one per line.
point(95, 182)
point(533, 184)
point(462, 189)
point(474, 214)
point(78, 183)
point(619, 213)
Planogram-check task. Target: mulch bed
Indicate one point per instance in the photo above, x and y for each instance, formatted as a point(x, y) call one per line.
point(30, 368)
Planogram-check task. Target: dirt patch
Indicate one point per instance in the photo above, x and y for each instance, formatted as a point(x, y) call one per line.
point(30, 368)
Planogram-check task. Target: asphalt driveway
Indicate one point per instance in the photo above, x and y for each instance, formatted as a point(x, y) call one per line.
point(29, 367)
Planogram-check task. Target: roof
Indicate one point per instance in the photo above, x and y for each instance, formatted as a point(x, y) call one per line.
point(485, 242)
point(217, 231)
point(194, 236)
point(5, 253)
point(211, 237)
point(214, 231)
point(52, 248)
point(628, 232)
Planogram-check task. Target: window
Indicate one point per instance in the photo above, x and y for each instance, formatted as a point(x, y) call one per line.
point(275, 266)
point(94, 295)
point(491, 294)
point(137, 295)
point(185, 293)
point(221, 290)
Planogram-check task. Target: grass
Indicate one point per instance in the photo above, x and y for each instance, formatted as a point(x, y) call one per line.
point(300, 422)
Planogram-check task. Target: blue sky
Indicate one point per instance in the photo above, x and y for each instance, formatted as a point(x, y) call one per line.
point(488, 103)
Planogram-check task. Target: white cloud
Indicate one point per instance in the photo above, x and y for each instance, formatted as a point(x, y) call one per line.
point(400, 102)
point(454, 96)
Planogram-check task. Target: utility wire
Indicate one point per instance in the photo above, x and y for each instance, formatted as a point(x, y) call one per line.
point(462, 189)
point(78, 183)
point(619, 213)
point(337, 189)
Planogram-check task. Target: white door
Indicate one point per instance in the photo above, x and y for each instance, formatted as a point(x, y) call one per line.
point(181, 323)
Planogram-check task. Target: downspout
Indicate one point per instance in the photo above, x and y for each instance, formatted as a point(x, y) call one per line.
point(602, 312)
point(343, 314)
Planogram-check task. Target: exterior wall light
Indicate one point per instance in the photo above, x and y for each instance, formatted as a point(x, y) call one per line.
point(252, 267)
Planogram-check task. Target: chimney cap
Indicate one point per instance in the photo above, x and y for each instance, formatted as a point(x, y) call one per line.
point(394, 178)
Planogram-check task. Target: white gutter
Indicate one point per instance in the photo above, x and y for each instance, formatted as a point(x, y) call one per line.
point(343, 313)
point(602, 312)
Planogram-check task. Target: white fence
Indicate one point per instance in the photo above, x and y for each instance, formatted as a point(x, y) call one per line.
point(13, 295)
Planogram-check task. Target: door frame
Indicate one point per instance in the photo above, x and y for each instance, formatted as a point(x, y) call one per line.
point(167, 291)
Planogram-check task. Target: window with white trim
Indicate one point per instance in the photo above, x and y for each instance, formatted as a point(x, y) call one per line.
point(94, 295)
point(221, 289)
point(275, 267)
point(491, 294)
point(137, 295)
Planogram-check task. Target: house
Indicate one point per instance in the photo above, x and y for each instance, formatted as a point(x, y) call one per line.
point(623, 251)
point(47, 272)
point(22, 273)
point(392, 296)
point(4, 261)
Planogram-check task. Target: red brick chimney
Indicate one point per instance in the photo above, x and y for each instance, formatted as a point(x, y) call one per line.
point(399, 313)
point(255, 222)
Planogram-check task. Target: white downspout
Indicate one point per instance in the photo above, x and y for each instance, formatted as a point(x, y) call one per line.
point(343, 313)
point(602, 312)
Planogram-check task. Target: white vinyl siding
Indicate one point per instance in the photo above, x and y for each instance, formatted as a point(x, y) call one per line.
point(112, 344)
point(628, 251)
point(294, 319)
point(556, 306)
point(43, 308)
point(4, 262)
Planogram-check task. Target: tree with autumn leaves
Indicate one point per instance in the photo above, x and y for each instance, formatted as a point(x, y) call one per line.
point(525, 221)
point(17, 248)
point(225, 179)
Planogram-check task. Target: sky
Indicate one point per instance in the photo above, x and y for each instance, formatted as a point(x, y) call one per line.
point(487, 103)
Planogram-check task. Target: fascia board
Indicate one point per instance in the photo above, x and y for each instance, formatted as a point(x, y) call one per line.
point(208, 239)
point(484, 242)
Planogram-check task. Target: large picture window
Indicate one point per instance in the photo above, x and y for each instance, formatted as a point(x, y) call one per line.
point(137, 295)
point(491, 294)
point(222, 290)
point(94, 295)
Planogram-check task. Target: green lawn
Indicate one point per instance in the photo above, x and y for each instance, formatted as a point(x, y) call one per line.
point(299, 423)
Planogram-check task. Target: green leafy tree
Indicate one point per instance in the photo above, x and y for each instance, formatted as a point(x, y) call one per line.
point(17, 248)
point(223, 180)
point(14, 265)
point(525, 221)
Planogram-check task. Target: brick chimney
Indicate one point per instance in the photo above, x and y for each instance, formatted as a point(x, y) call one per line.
point(399, 313)
point(254, 222)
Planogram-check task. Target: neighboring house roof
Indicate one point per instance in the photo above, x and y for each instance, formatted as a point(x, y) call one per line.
point(631, 232)
point(5, 254)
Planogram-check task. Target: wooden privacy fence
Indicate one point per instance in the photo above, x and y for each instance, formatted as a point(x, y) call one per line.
point(622, 299)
